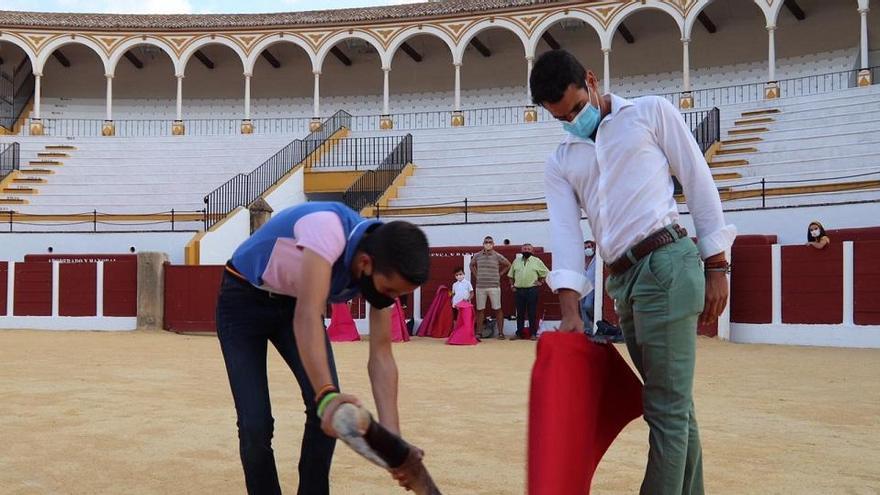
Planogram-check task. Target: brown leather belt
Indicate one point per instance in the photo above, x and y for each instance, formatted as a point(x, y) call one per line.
point(658, 239)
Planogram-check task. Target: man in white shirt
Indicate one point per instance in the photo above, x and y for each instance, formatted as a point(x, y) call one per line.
point(615, 164)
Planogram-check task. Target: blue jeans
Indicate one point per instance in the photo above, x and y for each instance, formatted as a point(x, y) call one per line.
point(587, 308)
point(247, 320)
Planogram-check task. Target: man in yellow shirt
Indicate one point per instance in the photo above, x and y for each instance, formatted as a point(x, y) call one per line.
point(526, 275)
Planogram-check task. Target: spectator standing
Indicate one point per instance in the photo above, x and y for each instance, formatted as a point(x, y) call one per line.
point(487, 266)
point(527, 274)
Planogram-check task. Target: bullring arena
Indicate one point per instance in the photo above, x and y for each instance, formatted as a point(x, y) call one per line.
point(138, 151)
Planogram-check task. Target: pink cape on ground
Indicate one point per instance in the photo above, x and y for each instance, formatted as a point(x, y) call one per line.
point(438, 320)
point(342, 327)
point(582, 395)
point(463, 333)
point(398, 323)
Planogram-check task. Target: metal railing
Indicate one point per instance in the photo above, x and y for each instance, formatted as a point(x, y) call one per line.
point(370, 186)
point(705, 125)
point(173, 220)
point(353, 153)
point(243, 189)
point(10, 156)
point(788, 88)
point(162, 127)
point(15, 92)
point(437, 119)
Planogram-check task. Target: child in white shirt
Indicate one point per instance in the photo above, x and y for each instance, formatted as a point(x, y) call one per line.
point(462, 290)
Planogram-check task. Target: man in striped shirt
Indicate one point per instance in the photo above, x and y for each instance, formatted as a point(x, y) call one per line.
point(487, 266)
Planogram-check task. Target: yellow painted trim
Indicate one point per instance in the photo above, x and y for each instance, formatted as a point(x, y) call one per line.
point(9, 179)
point(330, 181)
point(392, 191)
point(710, 153)
point(192, 250)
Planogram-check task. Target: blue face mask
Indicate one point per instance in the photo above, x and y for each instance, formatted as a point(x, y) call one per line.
point(585, 122)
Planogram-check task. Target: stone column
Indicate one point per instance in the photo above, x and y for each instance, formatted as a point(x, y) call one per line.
point(606, 69)
point(530, 114)
point(315, 123)
point(36, 127)
point(247, 126)
point(771, 89)
point(177, 127)
point(386, 122)
point(457, 115)
point(109, 128)
point(687, 97)
point(864, 76)
point(260, 212)
point(151, 290)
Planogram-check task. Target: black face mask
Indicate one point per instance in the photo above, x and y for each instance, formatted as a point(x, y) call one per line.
point(373, 296)
point(526, 255)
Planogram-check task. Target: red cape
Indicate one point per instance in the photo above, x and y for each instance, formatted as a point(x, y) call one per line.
point(583, 394)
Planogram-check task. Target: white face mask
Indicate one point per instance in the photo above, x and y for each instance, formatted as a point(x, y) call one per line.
point(459, 277)
point(588, 251)
point(815, 232)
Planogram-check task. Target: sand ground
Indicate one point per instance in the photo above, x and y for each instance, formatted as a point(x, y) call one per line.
point(151, 413)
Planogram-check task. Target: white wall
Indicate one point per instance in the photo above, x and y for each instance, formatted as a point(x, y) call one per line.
point(288, 193)
point(14, 246)
point(217, 246)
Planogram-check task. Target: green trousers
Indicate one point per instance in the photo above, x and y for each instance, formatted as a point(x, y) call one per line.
point(659, 301)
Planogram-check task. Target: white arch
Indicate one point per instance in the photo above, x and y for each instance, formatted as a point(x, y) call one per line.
point(330, 42)
point(550, 21)
point(120, 50)
point(702, 4)
point(205, 41)
point(273, 40)
point(483, 25)
point(410, 32)
point(635, 7)
point(60, 41)
point(15, 40)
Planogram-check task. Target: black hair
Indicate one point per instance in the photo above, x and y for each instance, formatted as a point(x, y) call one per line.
point(821, 232)
point(457, 269)
point(399, 247)
point(553, 73)
point(489, 238)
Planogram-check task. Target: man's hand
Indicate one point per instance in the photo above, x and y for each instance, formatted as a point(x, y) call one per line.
point(327, 418)
point(407, 474)
point(571, 312)
point(716, 297)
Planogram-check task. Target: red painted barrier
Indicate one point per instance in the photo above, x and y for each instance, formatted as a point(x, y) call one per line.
point(33, 289)
point(751, 285)
point(853, 234)
point(191, 297)
point(443, 263)
point(4, 277)
point(120, 288)
point(866, 282)
point(812, 284)
point(77, 286)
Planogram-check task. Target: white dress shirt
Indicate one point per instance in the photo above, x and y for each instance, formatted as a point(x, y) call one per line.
point(624, 186)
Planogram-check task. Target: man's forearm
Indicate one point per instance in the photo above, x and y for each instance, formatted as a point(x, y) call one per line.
point(383, 379)
point(312, 349)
